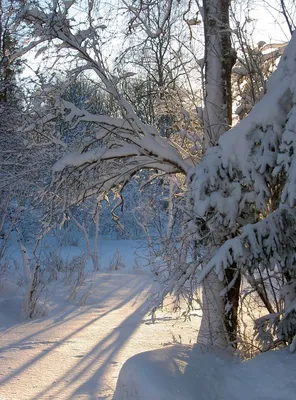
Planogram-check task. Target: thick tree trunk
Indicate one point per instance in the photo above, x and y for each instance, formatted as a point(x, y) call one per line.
point(219, 321)
point(220, 310)
point(212, 330)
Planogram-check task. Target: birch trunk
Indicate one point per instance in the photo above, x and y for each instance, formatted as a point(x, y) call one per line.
point(219, 60)
point(218, 327)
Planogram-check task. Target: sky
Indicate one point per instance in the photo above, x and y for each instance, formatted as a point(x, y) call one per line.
point(266, 24)
point(270, 27)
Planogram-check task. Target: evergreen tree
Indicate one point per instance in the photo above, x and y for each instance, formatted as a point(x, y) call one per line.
point(244, 190)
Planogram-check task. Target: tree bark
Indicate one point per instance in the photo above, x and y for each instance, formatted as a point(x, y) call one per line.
point(219, 60)
point(213, 330)
point(219, 321)
point(231, 302)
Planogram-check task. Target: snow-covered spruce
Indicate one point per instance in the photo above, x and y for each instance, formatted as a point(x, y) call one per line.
point(249, 180)
point(243, 192)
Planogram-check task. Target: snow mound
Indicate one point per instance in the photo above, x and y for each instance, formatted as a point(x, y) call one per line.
point(176, 373)
point(271, 375)
point(197, 373)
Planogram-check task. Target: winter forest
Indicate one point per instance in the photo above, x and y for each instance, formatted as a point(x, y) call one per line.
point(147, 199)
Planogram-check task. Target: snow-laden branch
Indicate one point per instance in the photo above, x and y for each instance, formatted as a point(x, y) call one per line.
point(151, 145)
point(75, 115)
point(269, 241)
point(75, 183)
point(245, 187)
point(79, 159)
point(240, 170)
point(133, 137)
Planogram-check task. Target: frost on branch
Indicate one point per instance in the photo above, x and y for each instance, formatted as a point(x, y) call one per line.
point(119, 147)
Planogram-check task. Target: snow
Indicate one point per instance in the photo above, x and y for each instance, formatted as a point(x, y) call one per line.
point(194, 372)
point(133, 252)
point(91, 329)
point(74, 351)
point(77, 159)
point(233, 185)
point(111, 345)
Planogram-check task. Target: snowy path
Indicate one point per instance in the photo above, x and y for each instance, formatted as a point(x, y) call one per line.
point(77, 353)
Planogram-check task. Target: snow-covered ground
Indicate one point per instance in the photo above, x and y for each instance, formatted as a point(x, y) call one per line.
point(132, 252)
point(76, 352)
point(197, 373)
point(101, 341)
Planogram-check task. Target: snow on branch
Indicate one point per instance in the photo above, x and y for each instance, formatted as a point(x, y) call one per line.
point(75, 115)
point(268, 241)
point(244, 190)
point(159, 148)
point(129, 135)
point(79, 159)
point(79, 176)
point(240, 170)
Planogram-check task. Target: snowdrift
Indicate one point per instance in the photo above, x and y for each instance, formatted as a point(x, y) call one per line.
point(197, 373)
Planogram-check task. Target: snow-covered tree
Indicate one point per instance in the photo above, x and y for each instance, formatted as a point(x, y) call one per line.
point(128, 144)
point(244, 189)
point(242, 194)
point(10, 109)
point(251, 72)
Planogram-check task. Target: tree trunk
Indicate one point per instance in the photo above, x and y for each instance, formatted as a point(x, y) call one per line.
point(219, 321)
point(219, 60)
point(213, 330)
point(231, 302)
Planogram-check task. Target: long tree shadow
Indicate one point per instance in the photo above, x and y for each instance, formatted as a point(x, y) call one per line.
point(103, 349)
point(136, 290)
point(61, 319)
